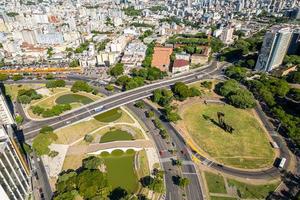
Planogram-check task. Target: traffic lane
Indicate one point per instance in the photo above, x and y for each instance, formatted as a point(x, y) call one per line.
point(264, 174)
point(173, 191)
point(43, 179)
point(193, 190)
point(69, 119)
point(150, 87)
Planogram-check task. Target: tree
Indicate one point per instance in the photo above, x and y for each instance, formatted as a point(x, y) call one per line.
point(194, 92)
point(74, 63)
point(242, 99)
point(237, 73)
point(109, 87)
point(19, 119)
point(293, 77)
point(172, 117)
point(183, 182)
point(88, 138)
point(24, 99)
point(117, 70)
point(55, 83)
point(46, 129)
point(3, 77)
point(237, 96)
point(50, 52)
point(150, 114)
point(17, 77)
point(207, 84)
point(181, 91)
point(140, 104)
point(92, 183)
point(92, 162)
point(81, 86)
point(49, 77)
point(53, 154)
point(251, 63)
point(27, 148)
point(162, 96)
point(294, 94)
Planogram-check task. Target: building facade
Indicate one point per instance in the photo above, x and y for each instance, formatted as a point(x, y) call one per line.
point(14, 174)
point(274, 48)
point(5, 114)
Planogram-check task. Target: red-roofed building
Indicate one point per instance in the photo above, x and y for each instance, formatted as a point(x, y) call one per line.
point(180, 65)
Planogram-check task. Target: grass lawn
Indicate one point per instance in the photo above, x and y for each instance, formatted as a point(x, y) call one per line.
point(74, 132)
point(215, 183)
point(120, 170)
point(12, 89)
point(143, 168)
point(252, 191)
point(247, 147)
point(204, 91)
point(73, 161)
point(116, 135)
point(73, 98)
point(109, 116)
point(221, 198)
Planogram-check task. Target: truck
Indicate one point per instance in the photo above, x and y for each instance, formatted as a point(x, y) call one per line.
point(98, 108)
point(282, 163)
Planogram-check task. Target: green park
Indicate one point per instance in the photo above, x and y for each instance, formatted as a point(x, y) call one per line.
point(246, 147)
point(224, 188)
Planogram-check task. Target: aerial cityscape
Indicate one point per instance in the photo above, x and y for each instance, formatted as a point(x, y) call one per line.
point(149, 99)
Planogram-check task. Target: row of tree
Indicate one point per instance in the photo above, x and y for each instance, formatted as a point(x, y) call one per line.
point(272, 91)
point(55, 83)
point(235, 94)
point(56, 110)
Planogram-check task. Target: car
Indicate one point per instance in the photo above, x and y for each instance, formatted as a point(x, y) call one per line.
point(68, 122)
point(160, 152)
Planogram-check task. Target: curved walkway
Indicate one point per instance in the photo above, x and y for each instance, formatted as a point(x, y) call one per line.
point(91, 148)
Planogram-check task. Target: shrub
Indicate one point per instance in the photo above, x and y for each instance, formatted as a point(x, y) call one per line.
point(88, 138)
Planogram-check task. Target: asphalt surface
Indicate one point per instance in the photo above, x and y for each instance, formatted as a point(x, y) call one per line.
point(31, 129)
point(193, 191)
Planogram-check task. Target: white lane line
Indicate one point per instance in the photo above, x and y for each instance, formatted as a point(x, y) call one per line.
point(124, 98)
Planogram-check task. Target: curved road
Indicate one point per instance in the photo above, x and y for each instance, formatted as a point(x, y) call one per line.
point(31, 129)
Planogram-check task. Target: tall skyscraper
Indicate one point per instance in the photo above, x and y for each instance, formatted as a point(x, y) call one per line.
point(14, 176)
point(274, 48)
point(5, 114)
point(294, 48)
point(14, 172)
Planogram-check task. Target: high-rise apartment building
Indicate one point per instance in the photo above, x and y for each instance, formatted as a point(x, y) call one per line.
point(274, 48)
point(14, 174)
point(294, 48)
point(5, 114)
point(227, 35)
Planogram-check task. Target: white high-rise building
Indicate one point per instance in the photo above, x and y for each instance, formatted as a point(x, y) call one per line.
point(5, 114)
point(14, 173)
point(227, 35)
point(274, 48)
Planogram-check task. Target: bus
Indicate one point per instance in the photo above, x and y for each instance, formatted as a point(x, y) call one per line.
point(275, 145)
point(282, 162)
point(98, 108)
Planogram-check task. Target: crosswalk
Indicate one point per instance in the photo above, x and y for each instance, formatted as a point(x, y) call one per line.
point(207, 162)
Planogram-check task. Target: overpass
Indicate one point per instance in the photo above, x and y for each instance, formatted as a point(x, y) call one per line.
point(31, 129)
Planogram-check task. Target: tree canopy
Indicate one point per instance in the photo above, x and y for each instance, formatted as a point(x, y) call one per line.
point(117, 70)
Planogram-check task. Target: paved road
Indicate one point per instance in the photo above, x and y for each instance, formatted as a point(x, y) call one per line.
point(193, 191)
point(32, 128)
